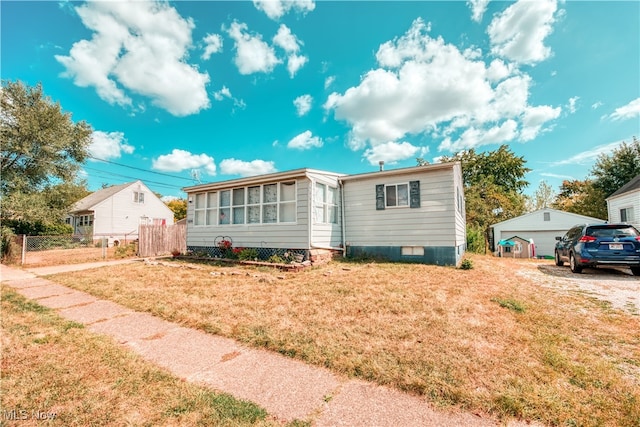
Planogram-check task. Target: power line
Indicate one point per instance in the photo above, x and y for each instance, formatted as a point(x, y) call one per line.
point(165, 185)
point(141, 169)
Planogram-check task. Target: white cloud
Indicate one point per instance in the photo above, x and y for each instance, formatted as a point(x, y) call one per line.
point(518, 33)
point(213, 44)
point(596, 105)
point(291, 45)
point(275, 9)
point(392, 152)
point(222, 93)
point(478, 7)
point(180, 160)
point(534, 118)
point(252, 168)
point(589, 156)
point(253, 55)
point(572, 104)
point(473, 137)
point(329, 81)
point(426, 86)
point(628, 111)
point(108, 145)
point(303, 104)
point(305, 141)
point(137, 47)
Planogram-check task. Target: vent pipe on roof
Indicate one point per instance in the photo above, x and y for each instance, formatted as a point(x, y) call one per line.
point(381, 163)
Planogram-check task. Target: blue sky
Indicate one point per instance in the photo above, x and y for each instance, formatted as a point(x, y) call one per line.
point(188, 91)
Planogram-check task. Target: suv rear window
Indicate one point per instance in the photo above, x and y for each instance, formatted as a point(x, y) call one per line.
point(611, 231)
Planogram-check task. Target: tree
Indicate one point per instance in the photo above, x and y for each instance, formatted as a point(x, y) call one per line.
point(612, 172)
point(41, 150)
point(581, 197)
point(40, 144)
point(493, 185)
point(179, 208)
point(543, 197)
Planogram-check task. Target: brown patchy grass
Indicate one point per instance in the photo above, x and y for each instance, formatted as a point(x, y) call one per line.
point(481, 339)
point(76, 255)
point(56, 373)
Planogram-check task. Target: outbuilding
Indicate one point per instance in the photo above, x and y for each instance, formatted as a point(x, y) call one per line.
point(542, 226)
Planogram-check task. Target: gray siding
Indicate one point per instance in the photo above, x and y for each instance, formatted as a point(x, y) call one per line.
point(278, 235)
point(432, 224)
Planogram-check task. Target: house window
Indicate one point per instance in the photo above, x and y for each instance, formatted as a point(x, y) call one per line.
point(397, 195)
point(138, 197)
point(547, 216)
point(626, 214)
point(84, 221)
point(206, 208)
point(259, 204)
point(326, 204)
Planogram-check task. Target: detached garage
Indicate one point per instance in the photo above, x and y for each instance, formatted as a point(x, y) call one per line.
point(542, 226)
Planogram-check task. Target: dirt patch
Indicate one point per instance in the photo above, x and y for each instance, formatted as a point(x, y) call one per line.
point(614, 285)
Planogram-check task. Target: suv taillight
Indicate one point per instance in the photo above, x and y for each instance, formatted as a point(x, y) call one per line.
point(587, 239)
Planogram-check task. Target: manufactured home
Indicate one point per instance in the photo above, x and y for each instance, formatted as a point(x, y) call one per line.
point(413, 214)
point(116, 212)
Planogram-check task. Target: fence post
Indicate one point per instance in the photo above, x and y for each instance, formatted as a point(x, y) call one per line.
point(104, 247)
point(24, 249)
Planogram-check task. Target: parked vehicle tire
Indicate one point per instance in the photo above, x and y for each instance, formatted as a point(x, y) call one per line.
point(575, 268)
point(635, 271)
point(559, 262)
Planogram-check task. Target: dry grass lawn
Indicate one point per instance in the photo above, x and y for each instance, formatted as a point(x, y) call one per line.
point(56, 373)
point(477, 339)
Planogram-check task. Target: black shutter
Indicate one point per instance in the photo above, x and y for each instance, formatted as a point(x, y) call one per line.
point(380, 197)
point(414, 194)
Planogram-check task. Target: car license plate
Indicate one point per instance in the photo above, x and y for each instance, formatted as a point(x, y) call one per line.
point(615, 246)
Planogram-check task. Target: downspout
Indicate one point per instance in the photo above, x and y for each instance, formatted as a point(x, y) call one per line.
point(343, 227)
point(311, 209)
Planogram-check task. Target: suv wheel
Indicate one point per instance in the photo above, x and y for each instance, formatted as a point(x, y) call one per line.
point(575, 268)
point(559, 262)
point(635, 271)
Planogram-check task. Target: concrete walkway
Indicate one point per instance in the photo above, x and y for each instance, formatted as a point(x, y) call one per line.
point(286, 388)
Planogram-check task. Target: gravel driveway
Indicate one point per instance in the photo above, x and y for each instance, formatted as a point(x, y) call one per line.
point(615, 285)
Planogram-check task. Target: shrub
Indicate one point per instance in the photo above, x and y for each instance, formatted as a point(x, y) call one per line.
point(475, 239)
point(125, 251)
point(10, 250)
point(466, 264)
point(248, 254)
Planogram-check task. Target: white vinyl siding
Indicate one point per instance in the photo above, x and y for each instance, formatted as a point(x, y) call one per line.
point(430, 224)
point(270, 215)
point(627, 202)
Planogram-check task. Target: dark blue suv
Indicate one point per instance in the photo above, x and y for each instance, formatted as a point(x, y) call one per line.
point(592, 245)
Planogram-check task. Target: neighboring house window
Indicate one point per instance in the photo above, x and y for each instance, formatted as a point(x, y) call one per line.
point(547, 216)
point(206, 208)
point(626, 214)
point(138, 197)
point(326, 204)
point(396, 195)
point(84, 221)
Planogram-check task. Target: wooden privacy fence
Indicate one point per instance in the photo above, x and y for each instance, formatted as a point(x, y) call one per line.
point(156, 240)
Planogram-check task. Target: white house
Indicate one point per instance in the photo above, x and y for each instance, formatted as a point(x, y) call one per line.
point(542, 226)
point(116, 212)
point(413, 214)
point(624, 204)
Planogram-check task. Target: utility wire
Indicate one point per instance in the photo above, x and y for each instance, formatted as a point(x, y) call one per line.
point(164, 184)
point(141, 169)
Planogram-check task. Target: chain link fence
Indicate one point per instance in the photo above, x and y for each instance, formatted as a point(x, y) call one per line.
point(54, 250)
point(223, 248)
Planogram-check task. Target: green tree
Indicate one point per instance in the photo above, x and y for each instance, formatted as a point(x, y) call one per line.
point(544, 197)
point(581, 197)
point(41, 150)
point(40, 144)
point(611, 172)
point(179, 208)
point(493, 185)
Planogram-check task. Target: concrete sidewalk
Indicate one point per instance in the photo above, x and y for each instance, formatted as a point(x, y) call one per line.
point(286, 388)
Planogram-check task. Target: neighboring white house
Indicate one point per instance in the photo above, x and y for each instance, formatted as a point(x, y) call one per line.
point(116, 212)
point(624, 204)
point(413, 214)
point(542, 226)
